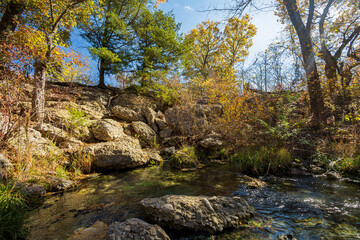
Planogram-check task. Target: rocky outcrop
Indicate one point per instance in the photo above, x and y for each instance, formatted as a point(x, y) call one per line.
point(5, 166)
point(146, 134)
point(97, 231)
point(107, 130)
point(210, 214)
point(150, 116)
point(135, 102)
point(124, 153)
point(135, 229)
point(125, 113)
point(60, 137)
point(30, 139)
point(212, 141)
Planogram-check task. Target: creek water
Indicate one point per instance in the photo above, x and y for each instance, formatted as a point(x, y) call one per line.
point(303, 206)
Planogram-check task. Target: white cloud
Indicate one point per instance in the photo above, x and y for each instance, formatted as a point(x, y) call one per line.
point(189, 8)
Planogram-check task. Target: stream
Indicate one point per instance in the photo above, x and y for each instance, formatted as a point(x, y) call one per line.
point(303, 206)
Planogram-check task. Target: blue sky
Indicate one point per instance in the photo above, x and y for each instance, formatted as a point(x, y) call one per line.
point(187, 12)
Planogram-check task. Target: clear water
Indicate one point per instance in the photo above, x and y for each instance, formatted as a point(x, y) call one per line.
point(306, 207)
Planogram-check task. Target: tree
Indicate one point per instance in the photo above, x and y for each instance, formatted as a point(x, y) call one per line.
point(157, 45)
point(215, 52)
point(108, 32)
point(338, 33)
point(51, 22)
point(13, 10)
point(307, 17)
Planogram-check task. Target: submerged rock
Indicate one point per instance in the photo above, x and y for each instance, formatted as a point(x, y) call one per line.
point(31, 190)
point(252, 182)
point(210, 214)
point(124, 153)
point(97, 231)
point(59, 184)
point(135, 229)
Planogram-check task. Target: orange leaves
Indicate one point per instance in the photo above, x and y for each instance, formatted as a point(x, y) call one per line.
point(158, 2)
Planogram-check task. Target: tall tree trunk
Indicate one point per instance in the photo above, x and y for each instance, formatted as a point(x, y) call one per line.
point(10, 18)
point(102, 74)
point(313, 78)
point(38, 97)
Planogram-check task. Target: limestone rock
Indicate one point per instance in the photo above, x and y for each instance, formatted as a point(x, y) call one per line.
point(134, 228)
point(252, 182)
point(160, 115)
point(146, 134)
point(168, 151)
point(210, 214)
point(125, 113)
point(60, 137)
point(5, 166)
point(97, 231)
point(211, 141)
point(174, 141)
point(38, 145)
point(124, 153)
point(134, 101)
point(59, 184)
point(150, 116)
point(93, 109)
point(161, 123)
point(31, 190)
point(107, 130)
point(153, 155)
point(166, 133)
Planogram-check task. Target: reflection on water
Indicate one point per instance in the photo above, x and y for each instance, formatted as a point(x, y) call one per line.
point(307, 208)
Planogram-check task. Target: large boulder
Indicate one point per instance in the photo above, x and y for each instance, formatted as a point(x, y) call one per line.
point(209, 214)
point(135, 228)
point(146, 134)
point(5, 166)
point(124, 153)
point(30, 140)
point(125, 113)
point(107, 130)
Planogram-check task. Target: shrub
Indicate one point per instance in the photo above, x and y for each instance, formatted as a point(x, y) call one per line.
point(263, 160)
point(12, 211)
